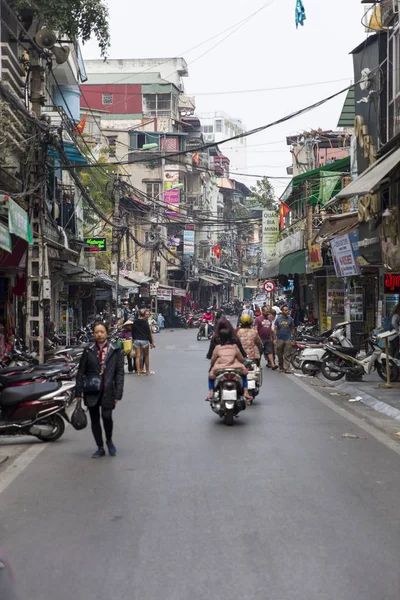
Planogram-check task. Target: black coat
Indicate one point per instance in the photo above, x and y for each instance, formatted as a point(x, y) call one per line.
point(113, 376)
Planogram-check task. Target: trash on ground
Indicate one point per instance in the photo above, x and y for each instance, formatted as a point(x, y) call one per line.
point(334, 394)
point(352, 436)
point(398, 434)
point(356, 399)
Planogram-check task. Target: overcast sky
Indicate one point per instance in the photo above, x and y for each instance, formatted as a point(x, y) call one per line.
point(265, 52)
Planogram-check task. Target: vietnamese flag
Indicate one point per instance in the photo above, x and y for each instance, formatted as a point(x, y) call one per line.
point(80, 127)
point(283, 211)
point(217, 250)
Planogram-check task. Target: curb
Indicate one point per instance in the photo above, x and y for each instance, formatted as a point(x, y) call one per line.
point(371, 401)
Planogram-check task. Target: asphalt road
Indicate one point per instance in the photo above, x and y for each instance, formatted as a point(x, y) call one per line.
point(278, 507)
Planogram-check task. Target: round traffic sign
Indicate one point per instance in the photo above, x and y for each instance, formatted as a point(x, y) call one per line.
point(269, 286)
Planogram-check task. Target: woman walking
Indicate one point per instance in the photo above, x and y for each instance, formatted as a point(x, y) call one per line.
point(100, 380)
point(142, 342)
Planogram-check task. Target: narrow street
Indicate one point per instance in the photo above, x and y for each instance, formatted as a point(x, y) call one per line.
point(280, 506)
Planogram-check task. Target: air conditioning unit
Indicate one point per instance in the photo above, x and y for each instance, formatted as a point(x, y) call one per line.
point(209, 137)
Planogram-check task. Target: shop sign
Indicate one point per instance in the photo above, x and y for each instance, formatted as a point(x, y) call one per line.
point(103, 294)
point(95, 244)
point(180, 292)
point(290, 244)
point(270, 234)
point(343, 257)
point(164, 294)
point(18, 222)
point(5, 239)
point(153, 289)
point(391, 283)
point(314, 250)
point(171, 196)
point(188, 242)
point(334, 296)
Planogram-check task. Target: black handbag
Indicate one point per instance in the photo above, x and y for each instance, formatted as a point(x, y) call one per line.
point(78, 417)
point(92, 384)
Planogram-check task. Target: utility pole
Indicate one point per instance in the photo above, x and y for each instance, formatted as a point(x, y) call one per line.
point(37, 268)
point(116, 234)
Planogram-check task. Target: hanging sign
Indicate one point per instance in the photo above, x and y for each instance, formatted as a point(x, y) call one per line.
point(391, 283)
point(270, 234)
point(343, 257)
point(5, 239)
point(164, 294)
point(269, 286)
point(188, 241)
point(18, 222)
point(95, 244)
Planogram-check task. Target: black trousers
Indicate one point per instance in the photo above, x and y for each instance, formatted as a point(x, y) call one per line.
point(106, 415)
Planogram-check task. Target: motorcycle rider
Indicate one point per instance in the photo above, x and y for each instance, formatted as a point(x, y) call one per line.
point(250, 339)
point(227, 356)
point(208, 317)
point(215, 340)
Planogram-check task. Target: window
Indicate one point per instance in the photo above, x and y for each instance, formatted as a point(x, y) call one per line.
point(159, 103)
point(208, 128)
point(218, 126)
point(153, 189)
point(107, 99)
point(139, 138)
point(112, 142)
point(149, 102)
point(164, 102)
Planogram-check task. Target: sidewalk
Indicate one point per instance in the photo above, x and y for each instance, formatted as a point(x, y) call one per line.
point(381, 399)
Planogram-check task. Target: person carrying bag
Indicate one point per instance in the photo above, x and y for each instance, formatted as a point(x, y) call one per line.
point(100, 381)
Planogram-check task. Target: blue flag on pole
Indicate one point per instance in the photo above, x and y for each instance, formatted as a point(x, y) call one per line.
point(300, 13)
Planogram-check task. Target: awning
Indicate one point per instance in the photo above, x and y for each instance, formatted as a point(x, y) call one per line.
point(210, 280)
point(293, 263)
point(369, 181)
point(336, 225)
point(135, 277)
point(126, 283)
point(271, 269)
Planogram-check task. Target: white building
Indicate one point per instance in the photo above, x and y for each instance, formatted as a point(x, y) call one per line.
point(219, 126)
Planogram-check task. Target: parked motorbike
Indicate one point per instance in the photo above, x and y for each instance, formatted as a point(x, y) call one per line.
point(339, 361)
point(206, 330)
point(36, 409)
point(228, 400)
point(254, 378)
point(312, 355)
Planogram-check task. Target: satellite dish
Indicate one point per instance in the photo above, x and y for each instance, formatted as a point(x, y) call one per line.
point(45, 38)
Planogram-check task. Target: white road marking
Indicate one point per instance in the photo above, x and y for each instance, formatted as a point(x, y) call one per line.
point(382, 437)
point(19, 465)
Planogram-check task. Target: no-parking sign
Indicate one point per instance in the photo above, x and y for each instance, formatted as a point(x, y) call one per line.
point(269, 286)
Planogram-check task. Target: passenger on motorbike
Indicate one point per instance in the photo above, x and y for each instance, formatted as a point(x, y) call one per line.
point(215, 340)
point(250, 339)
point(227, 356)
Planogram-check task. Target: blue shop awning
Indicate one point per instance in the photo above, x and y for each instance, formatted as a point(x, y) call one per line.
point(73, 154)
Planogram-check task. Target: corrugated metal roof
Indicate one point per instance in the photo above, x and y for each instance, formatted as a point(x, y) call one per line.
point(348, 113)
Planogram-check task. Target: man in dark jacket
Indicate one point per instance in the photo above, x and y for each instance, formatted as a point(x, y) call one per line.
point(100, 380)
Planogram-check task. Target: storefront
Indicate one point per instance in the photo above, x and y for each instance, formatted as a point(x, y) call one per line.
point(179, 296)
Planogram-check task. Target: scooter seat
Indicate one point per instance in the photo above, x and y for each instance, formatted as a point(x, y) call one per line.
point(19, 369)
point(7, 380)
point(350, 351)
point(26, 393)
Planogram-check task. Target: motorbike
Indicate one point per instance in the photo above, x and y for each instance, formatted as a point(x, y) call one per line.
point(311, 356)
point(36, 409)
point(254, 378)
point(206, 330)
point(71, 354)
point(228, 400)
point(153, 325)
point(339, 361)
